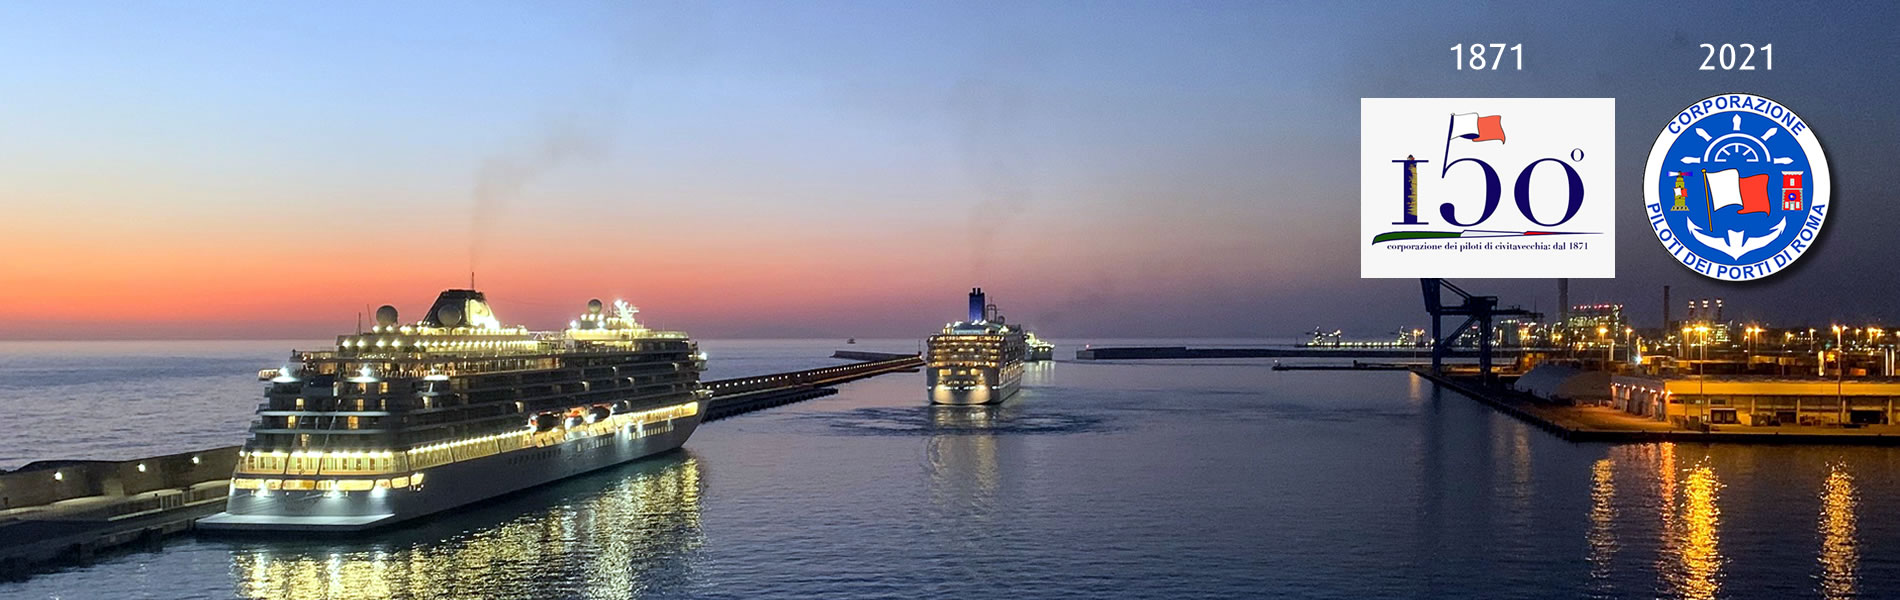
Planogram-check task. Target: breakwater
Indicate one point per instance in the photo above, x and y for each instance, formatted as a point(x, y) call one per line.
point(1185, 352)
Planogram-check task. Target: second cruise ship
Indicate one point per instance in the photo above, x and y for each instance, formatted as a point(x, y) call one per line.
point(978, 361)
point(412, 419)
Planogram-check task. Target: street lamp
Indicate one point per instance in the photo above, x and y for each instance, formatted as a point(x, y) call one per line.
point(1840, 364)
point(1704, 330)
point(1609, 349)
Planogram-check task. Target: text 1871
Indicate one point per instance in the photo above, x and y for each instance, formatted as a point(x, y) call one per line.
point(1487, 57)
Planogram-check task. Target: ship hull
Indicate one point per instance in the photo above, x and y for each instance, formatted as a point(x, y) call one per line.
point(1008, 383)
point(447, 486)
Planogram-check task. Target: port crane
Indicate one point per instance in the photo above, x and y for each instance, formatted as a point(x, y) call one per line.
point(1477, 310)
point(1322, 337)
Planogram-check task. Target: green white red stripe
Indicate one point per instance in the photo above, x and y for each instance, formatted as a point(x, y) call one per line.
point(1395, 236)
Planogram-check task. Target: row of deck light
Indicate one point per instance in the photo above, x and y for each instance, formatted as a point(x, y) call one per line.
point(453, 345)
point(320, 453)
point(407, 329)
point(460, 443)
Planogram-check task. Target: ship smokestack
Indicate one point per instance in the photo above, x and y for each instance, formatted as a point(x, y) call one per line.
point(1666, 324)
point(1563, 302)
point(976, 304)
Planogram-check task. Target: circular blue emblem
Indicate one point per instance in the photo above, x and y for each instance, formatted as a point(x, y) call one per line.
point(1736, 187)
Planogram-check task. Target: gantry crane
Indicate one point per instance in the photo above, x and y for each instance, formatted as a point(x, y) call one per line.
point(1477, 310)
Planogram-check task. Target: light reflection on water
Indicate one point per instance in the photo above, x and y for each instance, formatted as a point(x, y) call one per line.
point(596, 546)
point(1697, 572)
point(1840, 550)
point(965, 479)
point(1692, 560)
point(1602, 527)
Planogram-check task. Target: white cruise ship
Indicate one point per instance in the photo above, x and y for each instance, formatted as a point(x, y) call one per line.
point(412, 419)
point(978, 361)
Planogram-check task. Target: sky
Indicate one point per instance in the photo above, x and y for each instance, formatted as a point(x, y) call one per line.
point(837, 169)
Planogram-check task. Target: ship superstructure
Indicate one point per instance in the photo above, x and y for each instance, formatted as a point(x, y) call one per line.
point(1039, 349)
point(977, 361)
point(411, 419)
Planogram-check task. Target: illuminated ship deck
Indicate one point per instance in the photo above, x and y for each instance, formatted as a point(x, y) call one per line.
point(407, 420)
point(979, 361)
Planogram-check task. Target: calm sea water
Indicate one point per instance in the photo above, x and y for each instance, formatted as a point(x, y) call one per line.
point(1205, 479)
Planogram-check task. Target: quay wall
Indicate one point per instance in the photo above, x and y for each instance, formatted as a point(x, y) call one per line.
point(869, 356)
point(49, 481)
point(1180, 352)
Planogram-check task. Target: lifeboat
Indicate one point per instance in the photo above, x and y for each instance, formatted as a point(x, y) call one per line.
point(598, 413)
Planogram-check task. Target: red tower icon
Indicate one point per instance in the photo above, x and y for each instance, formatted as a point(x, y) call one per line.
point(1790, 190)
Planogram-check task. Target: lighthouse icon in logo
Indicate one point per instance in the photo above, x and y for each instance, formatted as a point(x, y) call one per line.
point(1723, 221)
point(1790, 190)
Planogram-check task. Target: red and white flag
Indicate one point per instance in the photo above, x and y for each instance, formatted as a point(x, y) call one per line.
point(1472, 126)
point(1729, 188)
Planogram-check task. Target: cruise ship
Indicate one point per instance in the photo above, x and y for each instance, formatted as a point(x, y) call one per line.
point(412, 419)
point(978, 361)
point(1039, 350)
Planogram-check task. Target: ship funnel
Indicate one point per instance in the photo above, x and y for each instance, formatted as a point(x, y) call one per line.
point(976, 304)
point(461, 308)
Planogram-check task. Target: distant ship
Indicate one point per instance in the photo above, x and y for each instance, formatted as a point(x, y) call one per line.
point(1039, 350)
point(978, 361)
point(409, 420)
point(1323, 338)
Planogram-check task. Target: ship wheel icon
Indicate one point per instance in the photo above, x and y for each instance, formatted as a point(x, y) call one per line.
point(1736, 146)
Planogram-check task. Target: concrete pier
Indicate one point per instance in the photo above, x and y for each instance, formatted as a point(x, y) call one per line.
point(55, 511)
point(746, 394)
point(869, 356)
point(1184, 352)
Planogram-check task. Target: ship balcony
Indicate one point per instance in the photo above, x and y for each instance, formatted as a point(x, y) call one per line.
point(318, 414)
point(321, 431)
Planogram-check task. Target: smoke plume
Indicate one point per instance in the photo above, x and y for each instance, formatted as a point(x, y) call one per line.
point(501, 178)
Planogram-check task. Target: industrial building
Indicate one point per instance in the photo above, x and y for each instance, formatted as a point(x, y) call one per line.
point(1756, 401)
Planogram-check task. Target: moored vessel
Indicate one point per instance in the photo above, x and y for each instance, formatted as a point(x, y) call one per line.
point(413, 419)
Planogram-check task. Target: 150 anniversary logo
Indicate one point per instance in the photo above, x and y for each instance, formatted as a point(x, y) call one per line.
point(1736, 187)
point(1487, 187)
